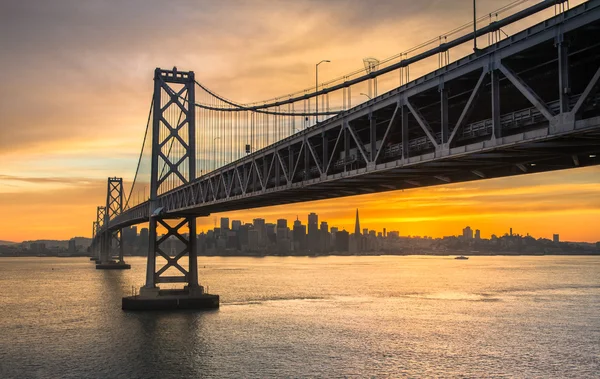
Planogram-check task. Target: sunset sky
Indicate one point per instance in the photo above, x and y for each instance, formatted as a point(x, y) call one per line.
point(76, 83)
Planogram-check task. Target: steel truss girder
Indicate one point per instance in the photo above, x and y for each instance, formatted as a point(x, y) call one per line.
point(251, 181)
point(175, 203)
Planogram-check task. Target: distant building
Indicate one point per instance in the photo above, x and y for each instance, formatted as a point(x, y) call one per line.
point(357, 224)
point(242, 234)
point(224, 225)
point(235, 225)
point(259, 226)
point(143, 241)
point(324, 238)
point(299, 236)
point(270, 228)
point(72, 246)
point(333, 236)
point(477, 234)
point(468, 233)
point(313, 232)
point(555, 238)
point(282, 229)
point(253, 239)
point(342, 239)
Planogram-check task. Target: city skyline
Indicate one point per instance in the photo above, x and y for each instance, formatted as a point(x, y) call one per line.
point(233, 224)
point(86, 118)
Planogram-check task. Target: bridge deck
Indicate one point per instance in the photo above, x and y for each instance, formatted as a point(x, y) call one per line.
point(526, 104)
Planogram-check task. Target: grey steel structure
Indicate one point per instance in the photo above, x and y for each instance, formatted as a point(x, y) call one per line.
point(172, 89)
point(97, 242)
point(113, 240)
point(525, 104)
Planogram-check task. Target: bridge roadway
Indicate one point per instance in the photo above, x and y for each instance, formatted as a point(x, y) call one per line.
point(527, 104)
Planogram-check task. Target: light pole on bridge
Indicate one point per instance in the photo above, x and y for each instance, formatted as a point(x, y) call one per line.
point(317, 88)
point(369, 97)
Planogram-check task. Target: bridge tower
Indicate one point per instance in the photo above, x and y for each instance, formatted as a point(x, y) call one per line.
point(97, 241)
point(173, 164)
point(112, 240)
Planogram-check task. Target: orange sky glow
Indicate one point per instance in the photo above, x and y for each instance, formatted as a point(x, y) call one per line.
point(76, 85)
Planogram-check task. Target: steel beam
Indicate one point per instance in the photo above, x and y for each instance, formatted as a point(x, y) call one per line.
point(591, 86)
point(393, 121)
point(495, 92)
point(564, 83)
point(468, 106)
point(405, 135)
point(444, 112)
point(527, 92)
point(422, 123)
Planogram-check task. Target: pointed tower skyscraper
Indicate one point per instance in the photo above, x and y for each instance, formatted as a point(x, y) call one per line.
point(357, 225)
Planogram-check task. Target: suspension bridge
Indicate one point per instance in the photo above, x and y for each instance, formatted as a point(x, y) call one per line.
point(519, 97)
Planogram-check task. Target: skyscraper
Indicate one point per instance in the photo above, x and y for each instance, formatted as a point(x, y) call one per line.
point(313, 232)
point(282, 229)
point(324, 239)
point(357, 239)
point(259, 226)
point(224, 225)
point(299, 235)
point(468, 233)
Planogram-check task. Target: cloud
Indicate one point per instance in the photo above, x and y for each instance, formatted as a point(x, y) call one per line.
point(61, 180)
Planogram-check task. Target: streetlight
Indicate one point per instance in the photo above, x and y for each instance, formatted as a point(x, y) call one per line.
point(215, 152)
point(369, 97)
point(317, 88)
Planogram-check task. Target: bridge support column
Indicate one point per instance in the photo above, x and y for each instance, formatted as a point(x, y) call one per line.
point(372, 138)
point(564, 84)
point(94, 247)
point(444, 113)
point(405, 137)
point(113, 238)
point(174, 121)
point(496, 126)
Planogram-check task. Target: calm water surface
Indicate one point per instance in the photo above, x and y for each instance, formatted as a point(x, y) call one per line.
point(309, 317)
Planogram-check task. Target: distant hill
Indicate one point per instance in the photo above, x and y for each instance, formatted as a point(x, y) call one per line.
point(8, 243)
point(79, 241)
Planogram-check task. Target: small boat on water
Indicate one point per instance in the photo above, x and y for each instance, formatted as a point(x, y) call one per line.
point(461, 257)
